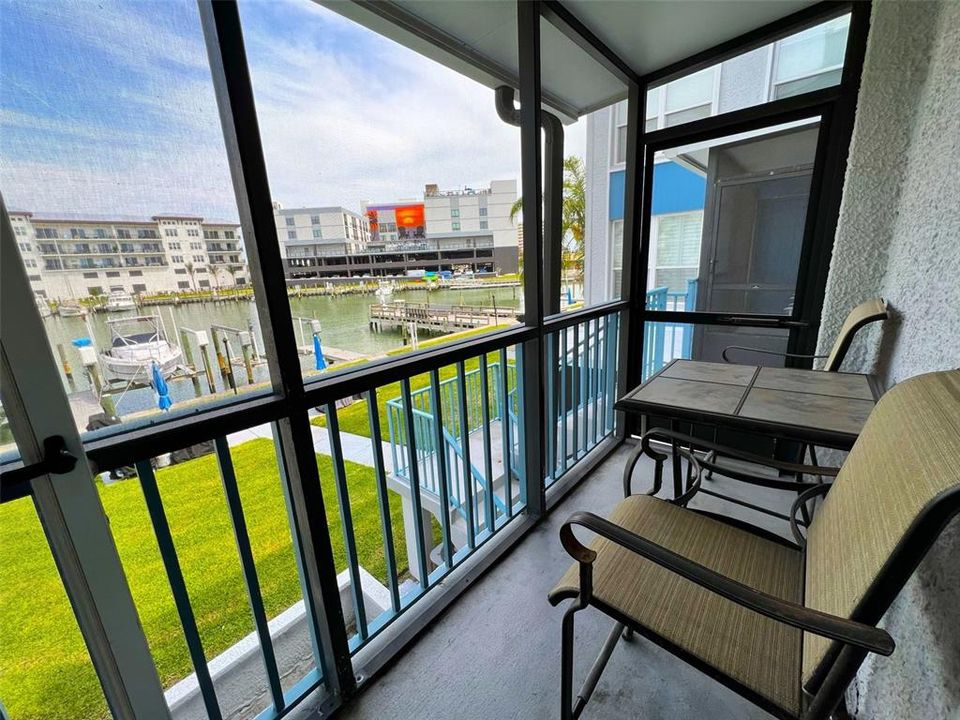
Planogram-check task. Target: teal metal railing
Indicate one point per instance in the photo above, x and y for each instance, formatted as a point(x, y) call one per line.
point(664, 341)
point(471, 403)
point(581, 390)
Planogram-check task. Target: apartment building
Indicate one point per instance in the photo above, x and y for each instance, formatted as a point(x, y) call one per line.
point(82, 256)
point(682, 182)
point(308, 233)
point(444, 230)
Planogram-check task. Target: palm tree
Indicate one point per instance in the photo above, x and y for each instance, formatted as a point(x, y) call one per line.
point(573, 217)
point(188, 266)
point(233, 270)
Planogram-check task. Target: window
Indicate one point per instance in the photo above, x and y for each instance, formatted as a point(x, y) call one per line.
point(170, 232)
point(26, 247)
point(674, 250)
point(484, 225)
point(114, 273)
point(78, 232)
point(810, 60)
point(147, 234)
point(316, 233)
point(139, 287)
point(198, 258)
point(291, 234)
point(291, 222)
point(455, 212)
point(183, 284)
point(690, 98)
point(176, 258)
point(204, 283)
point(34, 278)
point(620, 132)
point(133, 273)
point(193, 232)
point(616, 257)
point(314, 219)
point(228, 234)
point(177, 271)
point(91, 275)
point(30, 263)
point(100, 233)
point(456, 226)
point(123, 234)
point(483, 212)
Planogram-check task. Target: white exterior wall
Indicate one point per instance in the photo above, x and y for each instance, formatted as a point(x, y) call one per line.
point(174, 238)
point(503, 194)
point(336, 230)
point(899, 238)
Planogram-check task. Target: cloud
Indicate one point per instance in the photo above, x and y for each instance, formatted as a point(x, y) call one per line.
point(345, 115)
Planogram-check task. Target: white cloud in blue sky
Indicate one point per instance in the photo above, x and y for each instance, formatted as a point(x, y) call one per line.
point(108, 108)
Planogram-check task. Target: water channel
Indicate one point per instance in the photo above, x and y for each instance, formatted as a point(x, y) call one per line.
point(343, 320)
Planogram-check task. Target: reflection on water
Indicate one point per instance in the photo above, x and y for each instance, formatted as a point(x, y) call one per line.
point(343, 320)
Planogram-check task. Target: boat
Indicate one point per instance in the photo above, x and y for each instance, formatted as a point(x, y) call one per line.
point(384, 292)
point(71, 308)
point(119, 301)
point(135, 345)
point(43, 306)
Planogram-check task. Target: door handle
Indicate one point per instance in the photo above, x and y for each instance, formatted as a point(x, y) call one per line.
point(57, 460)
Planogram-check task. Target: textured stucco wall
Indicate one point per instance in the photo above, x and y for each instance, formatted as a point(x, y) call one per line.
point(597, 259)
point(899, 237)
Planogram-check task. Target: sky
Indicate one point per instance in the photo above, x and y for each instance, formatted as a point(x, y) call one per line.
point(107, 108)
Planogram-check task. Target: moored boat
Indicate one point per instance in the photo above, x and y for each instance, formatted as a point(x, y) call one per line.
point(119, 301)
point(135, 345)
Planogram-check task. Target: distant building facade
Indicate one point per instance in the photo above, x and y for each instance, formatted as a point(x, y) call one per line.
point(76, 257)
point(443, 230)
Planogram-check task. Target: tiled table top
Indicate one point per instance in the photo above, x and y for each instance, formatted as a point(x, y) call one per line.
point(828, 408)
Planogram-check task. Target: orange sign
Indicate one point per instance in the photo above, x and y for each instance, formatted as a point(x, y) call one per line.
point(409, 216)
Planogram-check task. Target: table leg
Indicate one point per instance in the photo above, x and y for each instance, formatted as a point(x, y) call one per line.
point(677, 473)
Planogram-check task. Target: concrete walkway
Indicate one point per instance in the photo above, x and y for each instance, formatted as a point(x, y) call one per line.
point(356, 448)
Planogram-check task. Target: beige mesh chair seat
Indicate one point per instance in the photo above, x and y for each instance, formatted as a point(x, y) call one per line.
point(787, 625)
point(758, 652)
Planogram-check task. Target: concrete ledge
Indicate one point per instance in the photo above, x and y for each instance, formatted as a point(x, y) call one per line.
point(238, 673)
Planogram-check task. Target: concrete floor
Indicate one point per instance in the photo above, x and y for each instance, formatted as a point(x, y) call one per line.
point(495, 653)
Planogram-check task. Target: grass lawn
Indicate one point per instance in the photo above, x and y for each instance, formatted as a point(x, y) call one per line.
point(353, 418)
point(45, 672)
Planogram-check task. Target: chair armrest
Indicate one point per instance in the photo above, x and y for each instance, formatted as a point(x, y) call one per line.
point(673, 436)
point(843, 630)
point(694, 473)
point(767, 352)
point(802, 499)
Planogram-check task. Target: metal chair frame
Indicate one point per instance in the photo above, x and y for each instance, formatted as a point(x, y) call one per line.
point(852, 637)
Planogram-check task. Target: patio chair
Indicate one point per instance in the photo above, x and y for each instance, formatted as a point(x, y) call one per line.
point(867, 312)
point(785, 624)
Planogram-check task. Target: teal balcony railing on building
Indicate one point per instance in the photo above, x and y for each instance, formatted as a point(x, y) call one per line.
point(581, 390)
point(664, 341)
point(471, 484)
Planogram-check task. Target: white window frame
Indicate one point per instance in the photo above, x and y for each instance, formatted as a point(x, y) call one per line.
point(772, 81)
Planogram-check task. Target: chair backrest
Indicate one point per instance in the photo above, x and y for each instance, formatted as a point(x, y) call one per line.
point(906, 458)
point(865, 313)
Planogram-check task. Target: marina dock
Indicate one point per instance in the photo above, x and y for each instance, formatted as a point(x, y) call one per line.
point(437, 318)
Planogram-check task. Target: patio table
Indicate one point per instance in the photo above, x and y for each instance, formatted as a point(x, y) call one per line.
point(810, 406)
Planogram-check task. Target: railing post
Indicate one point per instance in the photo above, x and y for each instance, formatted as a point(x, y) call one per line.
point(530, 381)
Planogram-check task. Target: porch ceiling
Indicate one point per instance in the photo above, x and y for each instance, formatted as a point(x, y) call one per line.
point(647, 34)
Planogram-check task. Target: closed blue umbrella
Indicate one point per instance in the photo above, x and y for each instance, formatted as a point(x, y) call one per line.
point(160, 386)
point(321, 362)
